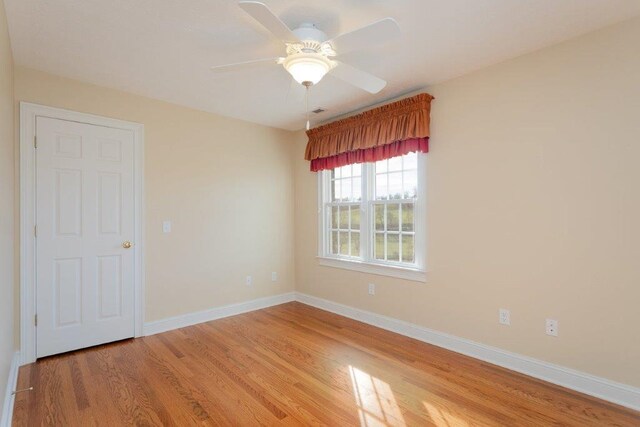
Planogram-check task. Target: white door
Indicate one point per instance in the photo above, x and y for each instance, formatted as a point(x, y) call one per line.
point(84, 220)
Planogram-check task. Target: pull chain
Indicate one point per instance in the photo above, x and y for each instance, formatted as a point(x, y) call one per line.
point(307, 85)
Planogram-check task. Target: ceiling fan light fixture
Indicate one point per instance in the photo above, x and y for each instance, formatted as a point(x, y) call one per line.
point(307, 67)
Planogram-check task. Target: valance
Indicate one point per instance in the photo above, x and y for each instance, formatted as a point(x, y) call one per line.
point(362, 137)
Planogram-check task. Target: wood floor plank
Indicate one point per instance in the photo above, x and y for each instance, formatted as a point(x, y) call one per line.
point(292, 365)
point(274, 379)
point(182, 406)
point(382, 368)
point(248, 400)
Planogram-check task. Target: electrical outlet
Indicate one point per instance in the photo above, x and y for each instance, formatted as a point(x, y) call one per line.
point(372, 289)
point(551, 327)
point(504, 316)
point(274, 276)
point(249, 281)
point(166, 226)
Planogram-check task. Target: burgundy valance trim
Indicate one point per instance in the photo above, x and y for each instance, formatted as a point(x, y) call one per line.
point(398, 148)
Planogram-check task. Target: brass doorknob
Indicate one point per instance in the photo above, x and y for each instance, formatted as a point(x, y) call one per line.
point(127, 244)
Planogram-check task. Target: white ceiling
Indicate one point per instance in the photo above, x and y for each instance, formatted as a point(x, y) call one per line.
point(164, 48)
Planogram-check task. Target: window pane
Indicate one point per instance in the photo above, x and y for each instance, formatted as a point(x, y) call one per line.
point(381, 166)
point(408, 251)
point(379, 217)
point(379, 249)
point(357, 189)
point(346, 189)
point(334, 217)
point(395, 185)
point(410, 184)
point(395, 164)
point(410, 161)
point(355, 244)
point(393, 247)
point(344, 243)
point(381, 187)
point(344, 218)
point(393, 217)
point(355, 217)
point(335, 191)
point(407, 217)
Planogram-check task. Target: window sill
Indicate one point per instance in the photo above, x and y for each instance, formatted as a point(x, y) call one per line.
point(378, 269)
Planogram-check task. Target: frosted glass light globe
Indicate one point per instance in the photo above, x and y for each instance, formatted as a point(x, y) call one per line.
point(307, 67)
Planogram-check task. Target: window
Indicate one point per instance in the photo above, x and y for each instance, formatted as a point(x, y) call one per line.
point(372, 216)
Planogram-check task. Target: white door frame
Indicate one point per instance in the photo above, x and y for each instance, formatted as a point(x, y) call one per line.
point(28, 114)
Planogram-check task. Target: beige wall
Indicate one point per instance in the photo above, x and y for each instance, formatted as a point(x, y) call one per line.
point(6, 204)
point(225, 184)
point(533, 205)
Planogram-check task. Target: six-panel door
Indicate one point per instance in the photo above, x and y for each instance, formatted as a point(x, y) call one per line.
point(84, 217)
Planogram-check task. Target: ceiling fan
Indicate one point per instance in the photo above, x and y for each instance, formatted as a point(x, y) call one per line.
point(310, 56)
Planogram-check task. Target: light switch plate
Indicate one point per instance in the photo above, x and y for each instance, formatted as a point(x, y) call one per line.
point(166, 226)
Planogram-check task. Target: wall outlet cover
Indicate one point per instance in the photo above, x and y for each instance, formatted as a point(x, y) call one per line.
point(551, 327)
point(504, 316)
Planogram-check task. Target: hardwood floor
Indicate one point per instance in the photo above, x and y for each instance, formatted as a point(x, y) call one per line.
point(291, 365)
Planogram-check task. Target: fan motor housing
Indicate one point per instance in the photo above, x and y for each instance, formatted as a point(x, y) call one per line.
point(309, 32)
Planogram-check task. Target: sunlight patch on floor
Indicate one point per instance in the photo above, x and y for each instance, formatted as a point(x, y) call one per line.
point(376, 404)
point(442, 418)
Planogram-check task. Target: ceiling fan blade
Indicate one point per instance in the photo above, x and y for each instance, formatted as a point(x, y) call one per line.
point(371, 35)
point(245, 64)
point(261, 13)
point(358, 78)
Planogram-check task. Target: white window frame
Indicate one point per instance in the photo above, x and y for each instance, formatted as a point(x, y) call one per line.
point(367, 263)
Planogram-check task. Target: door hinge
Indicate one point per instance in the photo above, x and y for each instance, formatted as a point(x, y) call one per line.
point(35, 320)
point(35, 141)
point(35, 231)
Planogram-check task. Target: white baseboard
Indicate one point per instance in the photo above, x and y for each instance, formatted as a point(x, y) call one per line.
point(189, 319)
point(602, 388)
point(611, 391)
point(12, 381)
